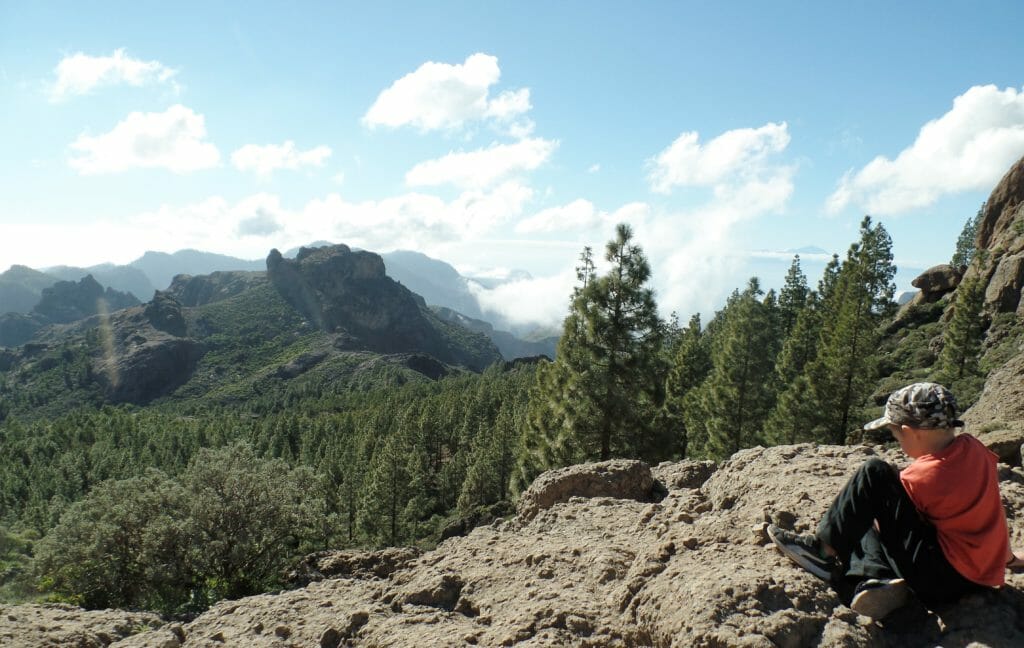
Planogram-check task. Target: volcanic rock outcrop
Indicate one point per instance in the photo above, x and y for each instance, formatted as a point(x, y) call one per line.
point(63, 302)
point(598, 567)
point(999, 263)
point(347, 293)
point(206, 289)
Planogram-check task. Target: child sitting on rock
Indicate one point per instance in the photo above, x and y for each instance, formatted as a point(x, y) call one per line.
point(937, 527)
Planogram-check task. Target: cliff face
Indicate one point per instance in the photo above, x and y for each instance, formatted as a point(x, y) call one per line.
point(1000, 243)
point(347, 293)
point(593, 560)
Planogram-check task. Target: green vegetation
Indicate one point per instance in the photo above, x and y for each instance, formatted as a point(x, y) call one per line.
point(279, 444)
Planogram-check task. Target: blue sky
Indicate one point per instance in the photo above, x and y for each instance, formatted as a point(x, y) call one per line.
point(503, 135)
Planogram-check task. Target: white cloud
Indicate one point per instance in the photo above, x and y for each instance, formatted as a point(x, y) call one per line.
point(581, 215)
point(483, 167)
point(968, 148)
point(543, 300)
point(250, 227)
point(594, 168)
point(441, 96)
point(173, 140)
point(737, 152)
point(264, 160)
point(80, 73)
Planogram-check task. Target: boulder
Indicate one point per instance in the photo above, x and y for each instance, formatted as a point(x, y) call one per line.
point(1000, 243)
point(1003, 290)
point(938, 280)
point(1005, 443)
point(618, 478)
point(1001, 404)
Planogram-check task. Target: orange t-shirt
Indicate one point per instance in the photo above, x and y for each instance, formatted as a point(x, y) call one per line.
point(957, 490)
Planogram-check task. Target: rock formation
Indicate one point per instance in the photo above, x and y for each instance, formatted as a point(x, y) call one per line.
point(347, 293)
point(596, 566)
point(999, 262)
point(61, 303)
point(206, 289)
point(937, 281)
point(145, 351)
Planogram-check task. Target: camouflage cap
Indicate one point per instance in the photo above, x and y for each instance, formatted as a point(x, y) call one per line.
point(921, 405)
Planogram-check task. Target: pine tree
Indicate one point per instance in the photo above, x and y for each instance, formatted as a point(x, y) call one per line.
point(740, 388)
point(964, 333)
point(792, 297)
point(690, 366)
point(793, 415)
point(846, 364)
point(966, 242)
point(600, 394)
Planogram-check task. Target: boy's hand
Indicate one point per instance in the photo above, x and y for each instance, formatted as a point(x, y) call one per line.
point(1017, 562)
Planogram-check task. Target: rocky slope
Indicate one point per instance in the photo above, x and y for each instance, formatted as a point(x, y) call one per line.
point(1000, 237)
point(348, 294)
point(592, 560)
point(61, 303)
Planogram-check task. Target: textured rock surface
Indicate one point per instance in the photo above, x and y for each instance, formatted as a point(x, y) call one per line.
point(63, 625)
point(937, 281)
point(1001, 267)
point(1001, 405)
point(347, 293)
point(622, 479)
point(206, 289)
point(695, 569)
point(141, 361)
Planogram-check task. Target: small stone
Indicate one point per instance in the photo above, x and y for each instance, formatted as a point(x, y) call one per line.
point(283, 631)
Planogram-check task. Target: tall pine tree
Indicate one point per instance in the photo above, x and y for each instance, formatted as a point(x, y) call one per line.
point(855, 299)
point(740, 389)
point(600, 394)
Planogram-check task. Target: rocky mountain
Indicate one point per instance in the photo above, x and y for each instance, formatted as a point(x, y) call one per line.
point(436, 281)
point(348, 294)
point(608, 554)
point(61, 303)
point(119, 277)
point(330, 316)
point(21, 287)
point(161, 267)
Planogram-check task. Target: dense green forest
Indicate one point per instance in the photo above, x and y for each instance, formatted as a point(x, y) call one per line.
point(175, 505)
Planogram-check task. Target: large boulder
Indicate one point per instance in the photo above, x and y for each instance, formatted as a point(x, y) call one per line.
point(1003, 290)
point(618, 478)
point(937, 281)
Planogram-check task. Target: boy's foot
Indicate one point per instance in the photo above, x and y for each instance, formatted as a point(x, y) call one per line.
point(806, 551)
point(877, 597)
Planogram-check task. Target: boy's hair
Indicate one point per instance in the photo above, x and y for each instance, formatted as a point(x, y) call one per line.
point(921, 405)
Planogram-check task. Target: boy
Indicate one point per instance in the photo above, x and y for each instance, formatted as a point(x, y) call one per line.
point(937, 527)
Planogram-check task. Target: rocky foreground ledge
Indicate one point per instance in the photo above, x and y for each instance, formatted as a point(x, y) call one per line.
point(590, 560)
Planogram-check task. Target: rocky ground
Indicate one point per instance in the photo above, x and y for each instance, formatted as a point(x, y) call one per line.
point(587, 562)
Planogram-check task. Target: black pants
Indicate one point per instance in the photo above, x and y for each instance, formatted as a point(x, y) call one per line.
point(904, 544)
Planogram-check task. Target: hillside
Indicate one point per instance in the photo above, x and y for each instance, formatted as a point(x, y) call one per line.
point(600, 554)
point(228, 336)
